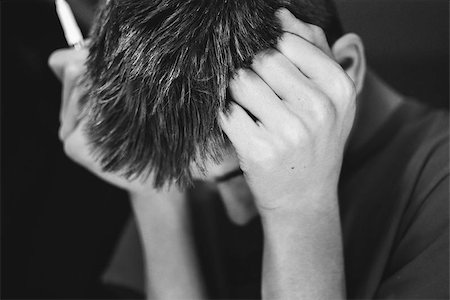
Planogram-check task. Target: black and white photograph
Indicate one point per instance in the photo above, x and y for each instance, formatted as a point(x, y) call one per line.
point(225, 149)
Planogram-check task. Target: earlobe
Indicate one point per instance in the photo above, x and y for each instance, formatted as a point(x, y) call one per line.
point(349, 53)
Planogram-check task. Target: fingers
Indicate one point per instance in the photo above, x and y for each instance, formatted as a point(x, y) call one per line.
point(295, 73)
point(312, 33)
point(69, 66)
point(306, 46)
point(323, 71)
point(73, 92)
point(285, 79)
point(72, 77)
point(252, 93)
point(71, 114)
point(303, 98)
point(59, 60)
point(311, 61)
point(76, 146)
point(238, 126)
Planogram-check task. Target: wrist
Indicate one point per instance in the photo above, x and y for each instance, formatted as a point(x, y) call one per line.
point(160, 207)
point(165, 228)
point(147, 190)
point(300, 207)
point(304, 243)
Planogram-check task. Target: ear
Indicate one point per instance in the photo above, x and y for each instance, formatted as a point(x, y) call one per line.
point(348, 51)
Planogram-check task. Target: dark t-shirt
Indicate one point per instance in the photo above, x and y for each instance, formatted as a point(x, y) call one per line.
point(394, 202)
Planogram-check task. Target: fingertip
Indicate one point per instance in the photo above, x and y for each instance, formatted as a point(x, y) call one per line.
point(283, 13)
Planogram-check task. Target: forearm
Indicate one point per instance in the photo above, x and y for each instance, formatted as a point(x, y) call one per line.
point(303, 256)
point(172, 270)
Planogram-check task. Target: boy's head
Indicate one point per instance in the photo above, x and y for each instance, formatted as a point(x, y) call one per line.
point(158, 73)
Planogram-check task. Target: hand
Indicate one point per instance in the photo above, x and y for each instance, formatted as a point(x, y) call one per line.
point(163, 220)
point(304, 103)
point(69, 66)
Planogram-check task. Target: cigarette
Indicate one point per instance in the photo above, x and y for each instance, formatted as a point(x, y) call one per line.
point(70, 27)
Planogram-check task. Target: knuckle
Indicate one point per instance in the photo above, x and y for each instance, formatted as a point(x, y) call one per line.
point(70, 149)
point(293, 133)
point(348, 109)
point(61, 134)
point(53, 59)
point(56, 58)
point(285, 38)
point(343, 86)
point(73, 150)
point(305, 32)
point(336, 70)
point(263, 151)
point(323, 114)
point(348, 88)
point(317, 31)
point(73, 70)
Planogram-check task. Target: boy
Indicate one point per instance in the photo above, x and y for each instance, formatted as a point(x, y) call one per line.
point(251, 87)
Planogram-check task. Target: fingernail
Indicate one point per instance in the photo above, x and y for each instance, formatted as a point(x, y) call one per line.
point(282, 12)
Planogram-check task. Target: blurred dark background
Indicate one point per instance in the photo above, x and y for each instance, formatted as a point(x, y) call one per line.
point(407, 43)
point(59, 223)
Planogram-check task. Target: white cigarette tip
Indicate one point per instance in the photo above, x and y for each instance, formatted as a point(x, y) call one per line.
point(71, 30)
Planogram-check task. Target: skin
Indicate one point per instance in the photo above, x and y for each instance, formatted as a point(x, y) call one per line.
point(305, 103)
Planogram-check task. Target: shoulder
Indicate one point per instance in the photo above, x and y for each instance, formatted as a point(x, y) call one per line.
point(425, 139)
point(418, 266)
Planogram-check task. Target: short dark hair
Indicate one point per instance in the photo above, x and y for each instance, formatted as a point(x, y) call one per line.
point(158, 73)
